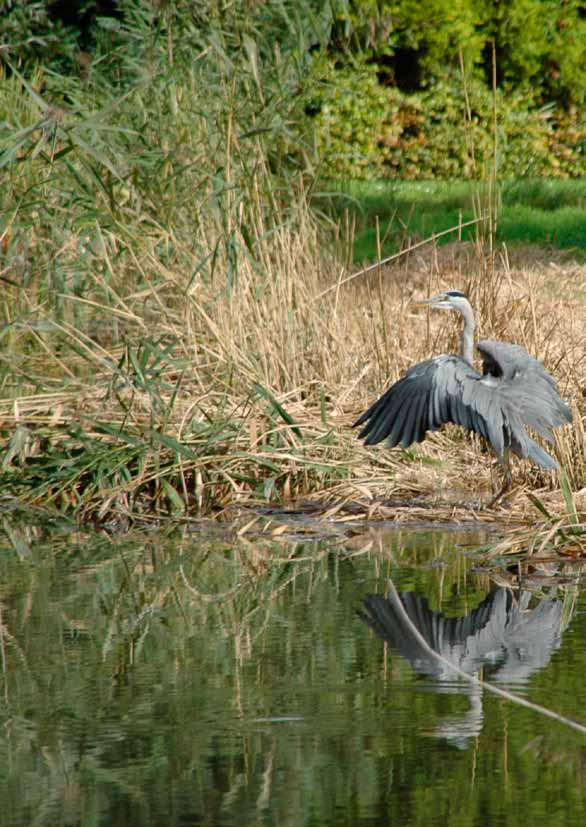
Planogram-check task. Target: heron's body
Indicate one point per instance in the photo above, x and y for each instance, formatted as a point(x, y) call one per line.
point(514, 392)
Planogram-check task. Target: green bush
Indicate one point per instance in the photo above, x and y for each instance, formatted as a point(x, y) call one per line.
point(540, 45)
point(28, 33)
point(364, 129)
point(346, 56)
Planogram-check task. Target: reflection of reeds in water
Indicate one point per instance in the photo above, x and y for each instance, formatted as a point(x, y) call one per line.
point(132, 663)
point(137, 591)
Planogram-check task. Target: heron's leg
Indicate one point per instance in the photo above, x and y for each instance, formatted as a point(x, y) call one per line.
point(505, 464)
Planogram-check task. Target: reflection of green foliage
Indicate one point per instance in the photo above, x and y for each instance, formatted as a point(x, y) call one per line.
point(142, 675)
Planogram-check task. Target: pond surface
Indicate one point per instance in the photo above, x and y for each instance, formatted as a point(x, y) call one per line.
point(182, 679)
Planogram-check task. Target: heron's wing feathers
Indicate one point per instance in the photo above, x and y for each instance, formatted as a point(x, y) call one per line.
point(514, 393)
point(430, 394)
point(525, 386)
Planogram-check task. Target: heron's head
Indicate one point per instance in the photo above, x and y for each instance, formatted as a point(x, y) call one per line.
point(448, 300)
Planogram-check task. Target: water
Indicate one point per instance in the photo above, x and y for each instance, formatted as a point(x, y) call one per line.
point(184, 680)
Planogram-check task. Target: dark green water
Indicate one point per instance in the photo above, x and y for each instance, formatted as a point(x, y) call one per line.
point(191, 680)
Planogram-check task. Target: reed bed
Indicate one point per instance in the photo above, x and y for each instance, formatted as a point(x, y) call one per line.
point(179, 335)
point(251, 402)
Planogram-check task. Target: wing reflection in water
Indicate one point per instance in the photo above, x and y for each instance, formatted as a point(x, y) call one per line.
point(502, 633)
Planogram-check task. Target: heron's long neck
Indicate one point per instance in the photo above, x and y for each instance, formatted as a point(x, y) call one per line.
point(467, 340)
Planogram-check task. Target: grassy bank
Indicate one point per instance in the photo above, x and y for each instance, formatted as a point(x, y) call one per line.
point(547, 212)
point(171, 339)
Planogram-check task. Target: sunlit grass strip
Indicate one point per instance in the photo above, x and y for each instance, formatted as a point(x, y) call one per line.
point(539, 211)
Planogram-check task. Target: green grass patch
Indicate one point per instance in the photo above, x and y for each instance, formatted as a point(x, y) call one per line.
point(546, 212)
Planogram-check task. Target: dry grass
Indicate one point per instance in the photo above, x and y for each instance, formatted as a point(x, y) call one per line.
point(177, 338)
point(193, 397)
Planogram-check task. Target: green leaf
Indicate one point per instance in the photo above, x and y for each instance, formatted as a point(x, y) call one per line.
point(174, 445)
point(568, 499)
point(277, 407)
point(176, 500)
point(268, 488)
point(539, 505)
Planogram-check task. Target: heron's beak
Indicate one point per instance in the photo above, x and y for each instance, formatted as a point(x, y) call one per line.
point(433, 301)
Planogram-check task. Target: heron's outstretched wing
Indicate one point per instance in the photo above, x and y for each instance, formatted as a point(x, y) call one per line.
point(514, 393)
point(430, 394)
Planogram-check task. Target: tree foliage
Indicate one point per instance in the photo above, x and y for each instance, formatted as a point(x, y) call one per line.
point(365, 129)
point(540, 45)
point(381, 80)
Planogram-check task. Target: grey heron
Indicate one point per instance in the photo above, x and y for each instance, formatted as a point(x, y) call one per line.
point(514, 392)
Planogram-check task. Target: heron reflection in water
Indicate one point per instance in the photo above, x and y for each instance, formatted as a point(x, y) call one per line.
point(514, 392)
point(503, 633)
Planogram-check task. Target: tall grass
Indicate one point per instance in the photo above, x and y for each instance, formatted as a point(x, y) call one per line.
point(167, 342)
point(161, 262)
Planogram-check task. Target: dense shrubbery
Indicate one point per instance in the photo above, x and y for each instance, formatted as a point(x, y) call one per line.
point(51, 32)
point(389, 97)
point(379, 79)
point(540, 44)
point(367, 130)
